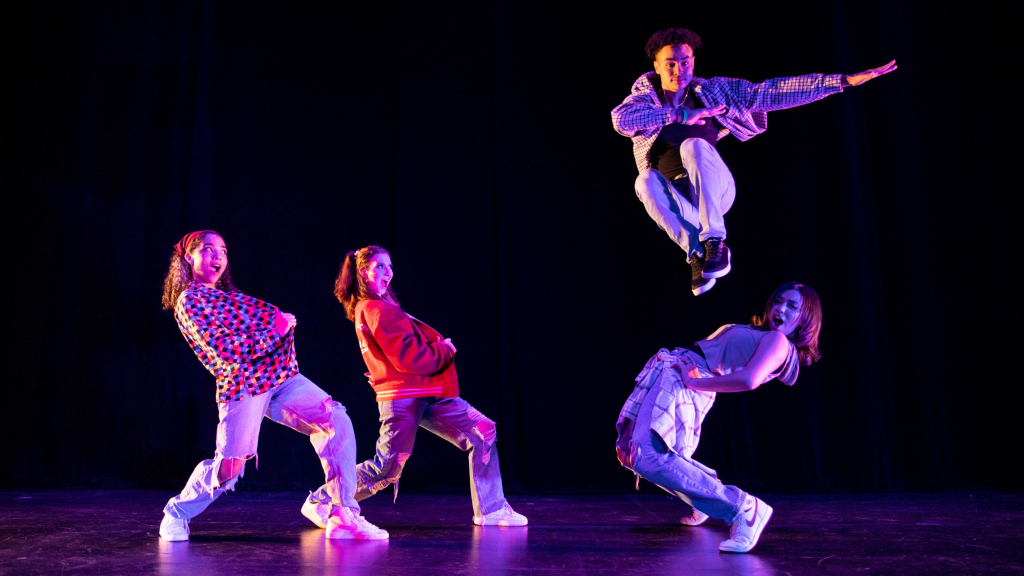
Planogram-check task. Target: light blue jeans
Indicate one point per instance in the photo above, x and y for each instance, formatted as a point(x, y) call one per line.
point(686, 479)
point(300, 405)
point(450, 418)
point(690, 209)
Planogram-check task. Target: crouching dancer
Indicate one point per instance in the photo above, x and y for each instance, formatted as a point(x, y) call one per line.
point(249, 346)
point(659, 426)
point(412, 370)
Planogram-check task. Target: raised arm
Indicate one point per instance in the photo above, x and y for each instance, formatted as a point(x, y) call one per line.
point(782, 93)
point(771, 352)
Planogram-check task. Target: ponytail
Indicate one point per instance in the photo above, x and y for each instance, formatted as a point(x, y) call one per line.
point(350, 287)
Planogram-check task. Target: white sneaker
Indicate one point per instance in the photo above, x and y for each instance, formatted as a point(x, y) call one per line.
point(745, 531)
point(173, 529)
point(504, 517)
point(348, 524)
point(318, 513)
point(694, 518)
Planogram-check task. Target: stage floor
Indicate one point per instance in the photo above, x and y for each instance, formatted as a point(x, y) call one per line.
point(263, 533)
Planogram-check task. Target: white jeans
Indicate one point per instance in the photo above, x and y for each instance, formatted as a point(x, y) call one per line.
point(692, 208)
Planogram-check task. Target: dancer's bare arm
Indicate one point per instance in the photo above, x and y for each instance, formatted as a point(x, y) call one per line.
point(771, 352)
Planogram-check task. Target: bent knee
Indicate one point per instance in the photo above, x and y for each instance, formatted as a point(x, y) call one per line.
point(692, 147)
point(483, 427)
point(649, 181)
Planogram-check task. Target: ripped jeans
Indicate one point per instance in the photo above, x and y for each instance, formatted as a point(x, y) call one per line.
point(450, 418)
point(300, 405)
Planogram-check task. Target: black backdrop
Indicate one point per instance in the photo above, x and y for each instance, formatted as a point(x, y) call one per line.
point(473, 140)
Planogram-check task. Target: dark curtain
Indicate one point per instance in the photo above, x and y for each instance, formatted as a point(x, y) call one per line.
point(473, 140)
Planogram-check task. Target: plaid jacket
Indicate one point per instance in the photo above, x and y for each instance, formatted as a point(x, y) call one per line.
point(641, 116)
point(234, 337)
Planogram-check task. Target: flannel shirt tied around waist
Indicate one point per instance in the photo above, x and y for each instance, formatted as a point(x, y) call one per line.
point(678, 412)
point(233, 335)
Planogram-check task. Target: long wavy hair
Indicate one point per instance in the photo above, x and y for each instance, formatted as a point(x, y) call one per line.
point(179, 274)
point(350, 286)
point(805, 335)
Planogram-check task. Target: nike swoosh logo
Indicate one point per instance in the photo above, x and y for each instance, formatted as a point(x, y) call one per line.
point(752, 521)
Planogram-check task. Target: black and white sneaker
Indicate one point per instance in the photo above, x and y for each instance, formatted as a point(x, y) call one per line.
point(699, 283)
point(716, 258)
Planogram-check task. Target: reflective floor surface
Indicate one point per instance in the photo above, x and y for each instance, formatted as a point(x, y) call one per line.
point(263, 533)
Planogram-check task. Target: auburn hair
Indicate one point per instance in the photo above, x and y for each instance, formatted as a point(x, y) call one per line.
point(350, 286)
point(805, 335)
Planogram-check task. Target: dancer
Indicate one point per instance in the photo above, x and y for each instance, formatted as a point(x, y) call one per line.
point(249, 346)
point(659, 426)
point(413, 373)
point(675, 120)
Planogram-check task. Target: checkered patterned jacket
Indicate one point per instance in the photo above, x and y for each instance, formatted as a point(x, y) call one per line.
point(641, 116)
point(234, 337)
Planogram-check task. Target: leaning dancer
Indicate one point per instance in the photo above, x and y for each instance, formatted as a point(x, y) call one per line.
point(659, 426)
point(412, 370)
point(249, 346)
point(676, 119)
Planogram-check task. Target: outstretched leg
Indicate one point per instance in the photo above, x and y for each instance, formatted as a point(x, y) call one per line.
point(399, 420)
point(237, 438)
point(464, 426)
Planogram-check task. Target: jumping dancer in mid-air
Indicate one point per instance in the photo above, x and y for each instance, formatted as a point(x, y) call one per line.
point(412, 370)
point(659, 425)
point(675, 120)
point(249, 346)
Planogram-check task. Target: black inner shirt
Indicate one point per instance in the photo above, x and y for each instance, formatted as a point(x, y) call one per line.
point(664, 153)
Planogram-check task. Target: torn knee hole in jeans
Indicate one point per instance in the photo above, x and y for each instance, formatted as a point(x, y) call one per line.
point(485, 429)
point(229, 485)
point(330, 406)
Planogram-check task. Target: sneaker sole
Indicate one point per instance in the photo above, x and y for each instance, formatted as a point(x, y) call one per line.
point(703, 287)
point(717, 273)
point(175, 538)
point(757, 535)
point(342, 535)
point(479, 521)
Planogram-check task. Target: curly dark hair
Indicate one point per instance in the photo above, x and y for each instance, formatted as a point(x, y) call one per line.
point(805, 337)
point(350, 287)
point(670, 37)
point(179, 274)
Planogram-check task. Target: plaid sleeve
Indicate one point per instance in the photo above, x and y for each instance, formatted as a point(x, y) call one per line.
point(638, 113)
point(218, 341)
point(774, 94)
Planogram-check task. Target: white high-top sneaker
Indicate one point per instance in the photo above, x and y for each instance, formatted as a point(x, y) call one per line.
point(746, 530)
